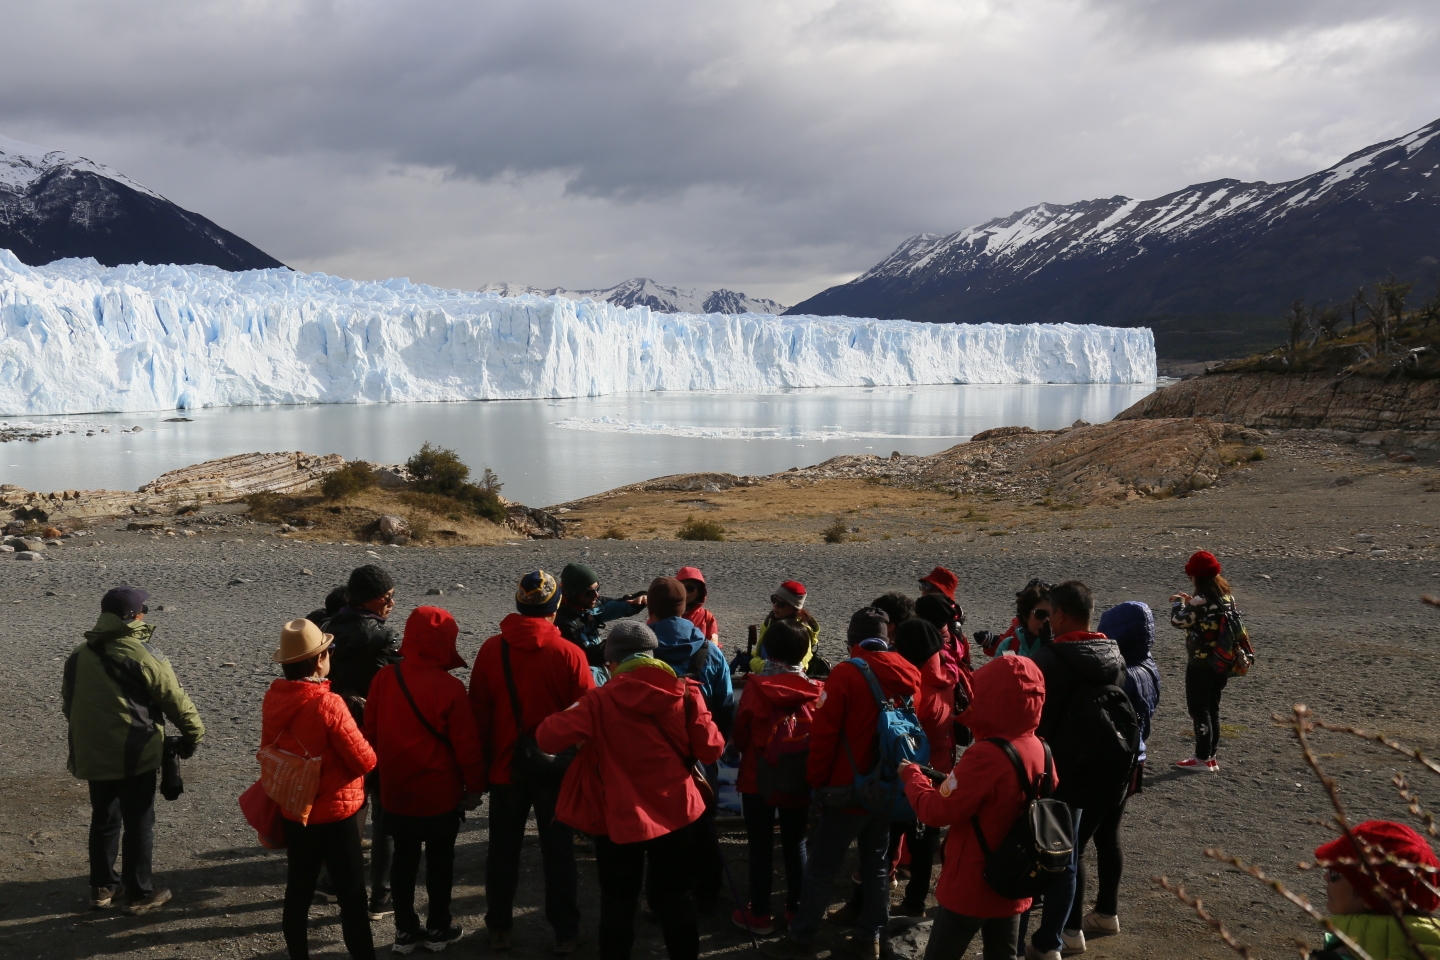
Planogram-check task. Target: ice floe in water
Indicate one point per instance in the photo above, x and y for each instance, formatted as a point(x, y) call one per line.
point(77, 337)
point(608, 424)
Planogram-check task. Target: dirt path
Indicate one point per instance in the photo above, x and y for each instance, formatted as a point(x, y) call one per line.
point(1337, 624)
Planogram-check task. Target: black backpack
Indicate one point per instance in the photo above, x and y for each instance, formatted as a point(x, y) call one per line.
point(1039, 845)
point(1097, 743)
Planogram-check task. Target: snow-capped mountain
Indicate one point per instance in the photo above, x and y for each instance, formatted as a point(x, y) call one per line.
point(54, 205)
point(1215, 259)
point(641, 292)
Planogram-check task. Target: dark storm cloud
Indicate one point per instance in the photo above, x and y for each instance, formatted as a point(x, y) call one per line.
point(770, 147)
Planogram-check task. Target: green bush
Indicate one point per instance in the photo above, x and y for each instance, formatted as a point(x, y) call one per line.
point(613, 533)
point(1258, 453)
point(837, 532)
point(693, 529)
point(349, 480)
point(441, 472)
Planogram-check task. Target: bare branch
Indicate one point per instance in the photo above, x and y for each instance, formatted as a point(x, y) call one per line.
point(1411, 752)
point(1412, 802)
point(1214, 923)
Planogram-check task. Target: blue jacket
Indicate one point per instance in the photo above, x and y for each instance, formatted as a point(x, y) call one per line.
point(1132, 626)
point(681, 643)
point(582, 628)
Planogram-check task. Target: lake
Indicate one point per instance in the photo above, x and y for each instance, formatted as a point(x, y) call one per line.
point(549, 451)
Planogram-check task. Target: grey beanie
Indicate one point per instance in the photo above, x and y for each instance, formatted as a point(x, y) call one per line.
point(627, 637)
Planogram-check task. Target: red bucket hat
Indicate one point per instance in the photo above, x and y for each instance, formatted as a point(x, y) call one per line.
point(1385, 838)
point(942, 580)
point(1202, 564)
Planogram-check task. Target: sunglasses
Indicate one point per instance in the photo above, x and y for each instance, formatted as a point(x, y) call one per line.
point(1334, 876)
point(1040, 614)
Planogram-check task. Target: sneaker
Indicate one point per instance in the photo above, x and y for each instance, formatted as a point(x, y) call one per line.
point(1032, 954)
point(381, 907)
point(437, 940)
point(101, 897)
point(1190, 766)
point(153, 900)
point(498, 939)
point(1212, 765)
point(407, 941)
point(787, 948)
point(565, 947)
point(760, 924)
point(1100, 924)
point(325, 894)
point(1072, 942)
point(844, 916)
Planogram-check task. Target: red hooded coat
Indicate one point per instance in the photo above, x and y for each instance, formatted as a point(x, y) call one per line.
point(698, 614)
point(1009, 693)
point(936, 706)
point(550, 674)
point(765, 700)
point(628, 782)
point(304, 718)
point(419, 775)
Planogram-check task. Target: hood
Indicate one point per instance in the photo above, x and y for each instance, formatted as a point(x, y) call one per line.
point(892, 670)
point(527, 633)
point(111, 627)
point(679, 640)
point(694, 574)
point(286, 697)
point(1094, 657)
point(645, 690)
point(934, 674)
point(430, 634)
point(1132, 626)
point(1006, 697)
point(788, 691)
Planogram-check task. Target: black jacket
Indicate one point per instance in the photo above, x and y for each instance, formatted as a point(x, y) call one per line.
point(363, 645)
point(1068, 664)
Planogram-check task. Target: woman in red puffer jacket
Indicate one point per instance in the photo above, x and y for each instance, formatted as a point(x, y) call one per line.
point(301, 716)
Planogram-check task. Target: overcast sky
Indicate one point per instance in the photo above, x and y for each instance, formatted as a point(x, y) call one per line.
point(771, 147)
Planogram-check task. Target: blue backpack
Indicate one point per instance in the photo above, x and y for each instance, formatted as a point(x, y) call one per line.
point(898, 738)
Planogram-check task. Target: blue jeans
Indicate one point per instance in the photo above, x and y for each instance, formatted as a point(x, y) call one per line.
point(833, 835)
point(1055, 908)
point(760, 834)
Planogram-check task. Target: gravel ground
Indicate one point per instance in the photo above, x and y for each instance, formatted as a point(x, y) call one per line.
point(1336, 623)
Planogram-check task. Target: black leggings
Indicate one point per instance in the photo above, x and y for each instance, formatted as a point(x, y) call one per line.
point(760, 834)
point(1104, 827)
point(437, 834)
point(337, 846)
point(1203, 687)
point(622, 868)
point(951, 934)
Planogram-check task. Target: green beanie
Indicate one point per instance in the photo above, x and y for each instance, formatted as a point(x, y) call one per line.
point(576, 579)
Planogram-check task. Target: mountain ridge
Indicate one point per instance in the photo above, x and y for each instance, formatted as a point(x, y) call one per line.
point(644, 292)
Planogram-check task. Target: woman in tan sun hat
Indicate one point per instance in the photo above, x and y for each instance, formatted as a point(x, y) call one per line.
point(302, 716)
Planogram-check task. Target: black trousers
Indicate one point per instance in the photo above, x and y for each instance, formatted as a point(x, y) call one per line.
point(760, 834)
point(952, 932)
point(921, 841)
point(1203, 687)
point(622, 869)
point(128, 803)
point(337, 846)
point(437, 835)
point(1102, 824)
point(381, 846)
point(509, 809)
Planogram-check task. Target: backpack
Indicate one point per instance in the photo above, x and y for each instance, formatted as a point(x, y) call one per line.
point(898, 738)
point(780, 767)
point(1097, 741)
point(1232, 655)
point(1038, 847)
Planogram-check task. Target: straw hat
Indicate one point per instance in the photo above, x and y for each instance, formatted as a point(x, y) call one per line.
point(300, 640)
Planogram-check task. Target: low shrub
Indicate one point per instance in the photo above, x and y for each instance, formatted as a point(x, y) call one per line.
point(693, 529)
point(1258, 454)
point(266, 506)
point(612, 533)
point(440, 472)
point(837, 532)
point(342, 484)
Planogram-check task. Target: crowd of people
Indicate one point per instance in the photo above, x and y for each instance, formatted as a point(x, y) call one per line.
point(607, 720)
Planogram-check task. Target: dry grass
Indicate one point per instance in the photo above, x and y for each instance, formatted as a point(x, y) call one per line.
point(434, 520)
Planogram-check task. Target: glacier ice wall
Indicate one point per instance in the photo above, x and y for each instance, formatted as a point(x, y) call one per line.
point(76, 337)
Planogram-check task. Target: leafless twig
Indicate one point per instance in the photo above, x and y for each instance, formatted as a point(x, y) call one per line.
point(1412, 802)
point(1213, 922)
point(1411, 752)
point(1215, 853)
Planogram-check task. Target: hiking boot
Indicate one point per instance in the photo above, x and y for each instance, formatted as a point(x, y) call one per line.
point(101, 897)
point(859, 944)
point(1212, 765)
point(153, 900)
point(846, 916)
point(568, 945)
point(760, 924)
point(1072, 942)
point(381, 907)
point(437, 940)
point(498, 939)
point(1033, 954)
point(787, 948)
point(1191, 765)
point(1098, 924)
point(406, 941)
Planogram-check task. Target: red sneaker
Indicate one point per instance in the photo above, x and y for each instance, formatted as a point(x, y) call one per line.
point(1190, 766)
point(1212, 765)
point(762, 925)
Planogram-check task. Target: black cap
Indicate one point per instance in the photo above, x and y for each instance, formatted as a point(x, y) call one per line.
point(124, 602)
point(868, 623)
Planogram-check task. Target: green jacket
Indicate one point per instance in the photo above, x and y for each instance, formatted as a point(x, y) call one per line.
point(1381, 937)
point(117, 722)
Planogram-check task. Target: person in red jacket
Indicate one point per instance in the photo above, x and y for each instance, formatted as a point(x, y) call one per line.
point(1009, 693)
point(631, 787)
point(548, 674)
point(847, 716)
point(781, 690)
point(696, 612)
point(302, 716)
point(419, 720)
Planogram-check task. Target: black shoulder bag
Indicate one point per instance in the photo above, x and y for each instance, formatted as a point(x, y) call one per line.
point(529, 765)
point(1038, 847)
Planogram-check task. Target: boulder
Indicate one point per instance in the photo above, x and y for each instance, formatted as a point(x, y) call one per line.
point(393, 528)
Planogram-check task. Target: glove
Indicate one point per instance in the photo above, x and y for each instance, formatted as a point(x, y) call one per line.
point(185, 749)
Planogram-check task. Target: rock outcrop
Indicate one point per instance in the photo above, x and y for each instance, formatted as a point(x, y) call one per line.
point(1391, 412)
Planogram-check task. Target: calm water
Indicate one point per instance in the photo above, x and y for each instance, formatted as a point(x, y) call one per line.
point(548, 451)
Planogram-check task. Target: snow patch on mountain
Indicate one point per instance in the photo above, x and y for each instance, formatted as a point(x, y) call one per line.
point(21, 164)
point(643, 292)
point(77, 337)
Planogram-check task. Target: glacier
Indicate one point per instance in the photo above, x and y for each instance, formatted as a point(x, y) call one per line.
point(77, 337)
